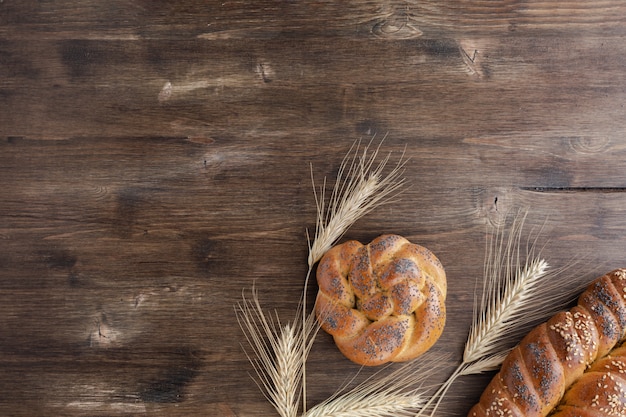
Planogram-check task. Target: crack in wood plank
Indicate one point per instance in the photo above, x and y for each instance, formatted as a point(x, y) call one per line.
point(575, 189)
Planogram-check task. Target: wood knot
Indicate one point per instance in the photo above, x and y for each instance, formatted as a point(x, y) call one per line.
point(396, 28)
point(589, 145)
point(496, 205)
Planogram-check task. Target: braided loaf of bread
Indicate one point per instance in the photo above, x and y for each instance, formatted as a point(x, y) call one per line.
point(536, 374)
point(381, 302)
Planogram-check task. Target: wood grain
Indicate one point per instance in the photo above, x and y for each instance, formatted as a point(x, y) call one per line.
point(155, 161)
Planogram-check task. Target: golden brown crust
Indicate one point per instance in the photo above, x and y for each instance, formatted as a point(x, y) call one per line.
point(573, 335)
point(601, 391)
point(550, 362)
point(493, 403)
point(381, 302)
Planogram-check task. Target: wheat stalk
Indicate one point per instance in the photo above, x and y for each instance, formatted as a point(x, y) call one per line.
point(514, 296)
point(280, 352)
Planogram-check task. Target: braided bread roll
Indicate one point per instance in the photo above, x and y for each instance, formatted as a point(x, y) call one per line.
point(381, 302)
point(536, 373)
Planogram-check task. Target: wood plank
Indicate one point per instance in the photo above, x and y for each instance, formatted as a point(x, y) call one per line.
point(391, 19)
point(83, 88)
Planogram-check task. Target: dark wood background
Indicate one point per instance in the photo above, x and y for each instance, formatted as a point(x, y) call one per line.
point(155, 162)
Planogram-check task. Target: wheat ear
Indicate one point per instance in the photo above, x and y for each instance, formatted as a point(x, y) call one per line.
point(277, 352)
point(514, 296)
point(361, 186)
point(370, 402)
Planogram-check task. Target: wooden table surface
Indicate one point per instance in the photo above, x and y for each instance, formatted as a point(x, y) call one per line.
point(156, 157)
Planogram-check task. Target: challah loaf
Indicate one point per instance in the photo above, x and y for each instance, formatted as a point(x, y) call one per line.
point(381, 302)
point(537, 373)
